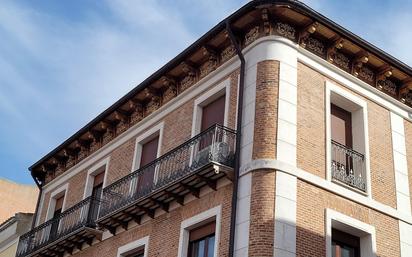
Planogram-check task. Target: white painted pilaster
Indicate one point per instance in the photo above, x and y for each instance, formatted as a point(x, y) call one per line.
point(285, 199)
point(405, 234)
point(403, 202)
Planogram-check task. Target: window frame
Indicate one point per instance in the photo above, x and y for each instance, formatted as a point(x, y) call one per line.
point(127, 249)
point(357, 228)
point(61, 191)
point(92, 172)
point(144, 138)
point(195, 222)
point(346, 96)
point(223, 88)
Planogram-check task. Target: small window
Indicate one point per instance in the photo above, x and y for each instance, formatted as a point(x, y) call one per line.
point(58, 207)
point(202, 241)
point(344, 244)
point(148, 155)
point(213, 113)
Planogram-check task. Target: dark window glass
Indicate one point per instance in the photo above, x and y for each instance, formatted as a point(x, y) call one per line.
point(344, 244)
point(57, 211)
point(137, 254)
point(96, 194)
point(202, 241)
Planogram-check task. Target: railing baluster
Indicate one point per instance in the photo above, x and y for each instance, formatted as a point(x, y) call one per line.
point(60, 226)
point(348, 166)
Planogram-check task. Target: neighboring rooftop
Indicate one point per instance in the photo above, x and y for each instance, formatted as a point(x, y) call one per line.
point(15, 198)
point(287, 18)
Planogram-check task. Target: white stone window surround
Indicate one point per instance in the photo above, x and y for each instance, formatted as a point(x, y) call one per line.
point(101, 166)
point(359, 109)
point(352, 226)
point(196, 221)
point(142, 243)
point(62, 190)
point(223, 88)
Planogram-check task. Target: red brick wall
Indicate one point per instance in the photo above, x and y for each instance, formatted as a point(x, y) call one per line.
point(262, 205)
point(266, 109)
point(311, 129)
point(310, 226)
point(311, 148)
point(177, 130)
point(164, 230)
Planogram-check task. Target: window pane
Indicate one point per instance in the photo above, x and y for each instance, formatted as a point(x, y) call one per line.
point(201, 249)
point(211, 246)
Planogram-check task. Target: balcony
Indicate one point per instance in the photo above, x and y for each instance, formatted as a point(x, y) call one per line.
point(64, 233)
point(201, 161)
point(348, 167)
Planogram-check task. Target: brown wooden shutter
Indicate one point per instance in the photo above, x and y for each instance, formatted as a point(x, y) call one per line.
point(59, 203)
point(202, 231)
point(149, 154)
point(213, 113)
point(98, 179)
point(341, 126)
point(149, 151)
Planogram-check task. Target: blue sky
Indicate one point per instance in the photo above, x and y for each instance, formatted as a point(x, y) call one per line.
point(64, 62)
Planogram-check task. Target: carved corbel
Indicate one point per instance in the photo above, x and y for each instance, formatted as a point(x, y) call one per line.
point(120, 115)
point(266, 21)
point(306, 32)
point(153, 96)
point(384, 73)
point(188, 69)
point(47, 169)
point(212, 60)
point(71, 156)
point(405, 89)
point(170, 83)
point(358, 63)
point(94, 136)
point(331, 52)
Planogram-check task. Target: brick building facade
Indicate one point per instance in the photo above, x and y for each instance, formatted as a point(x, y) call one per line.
point(311, 154)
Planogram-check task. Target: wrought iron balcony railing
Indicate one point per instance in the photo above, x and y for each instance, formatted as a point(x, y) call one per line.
point(215, 145)
point(83, 214)
point(348, 166)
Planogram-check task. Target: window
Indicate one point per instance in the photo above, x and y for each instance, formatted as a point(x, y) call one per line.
point(211, 107)
point(138, 248)
point(202, 241)
point(348, 237)
point(96, 194)
point(199, 235)
point(213, 113)
point(347, 137)
point(149, 154)
point(344, 244)
point(58, 207)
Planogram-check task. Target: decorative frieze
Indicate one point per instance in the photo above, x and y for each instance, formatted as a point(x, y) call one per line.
point(342, 61)
point(316, 46)
point(227, 53)
point(252, 35)
point(366, 74)
point(286, 30)
point(387, 85)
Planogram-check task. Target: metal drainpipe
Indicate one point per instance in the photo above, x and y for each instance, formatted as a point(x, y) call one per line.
point(238, 137)
point(33, 224)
